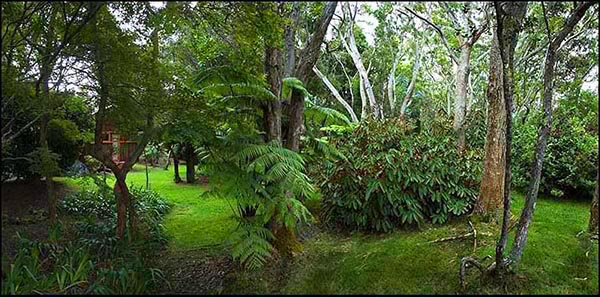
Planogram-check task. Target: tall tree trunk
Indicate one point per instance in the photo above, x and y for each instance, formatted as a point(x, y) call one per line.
point(362, 71)
point(460, 97)
point(509, 17)
point(296, 121)
point(44, 119)
point(522, 228)
point(190, 158)
point(391, 83)
point(492, 180)
point(274, 72)
point(307, 58)
point(285, 238)
point(593, 223)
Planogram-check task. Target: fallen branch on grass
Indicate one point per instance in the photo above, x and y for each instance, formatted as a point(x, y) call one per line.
point(460, 237)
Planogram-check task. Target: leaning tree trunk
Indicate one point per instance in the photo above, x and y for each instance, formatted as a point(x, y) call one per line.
point(593, 224)
point(336, 94)
point(460, 100)
point(536, 168)
point(190, 172)
point(492, 180)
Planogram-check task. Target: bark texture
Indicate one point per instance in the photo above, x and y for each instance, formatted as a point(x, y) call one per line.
point(176, 178)
point(307, 58)
point(413, 80)
point(460, 98)
point(492, 180)
point(536, 168)
point(352, 49)
point(509, 18)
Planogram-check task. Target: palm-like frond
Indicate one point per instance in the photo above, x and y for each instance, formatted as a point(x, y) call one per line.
point(291, 83)
point(325, 115)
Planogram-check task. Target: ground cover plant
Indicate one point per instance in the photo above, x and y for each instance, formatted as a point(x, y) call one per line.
point(299, 147)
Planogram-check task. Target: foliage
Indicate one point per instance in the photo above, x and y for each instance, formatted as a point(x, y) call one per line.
point(266, 177)
point(96, 262)
point(571, 155)
point(394, 176)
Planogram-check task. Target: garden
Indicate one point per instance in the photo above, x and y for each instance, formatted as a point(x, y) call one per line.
point(299, 148)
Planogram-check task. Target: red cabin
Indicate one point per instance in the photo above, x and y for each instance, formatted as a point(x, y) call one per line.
point(120, 146)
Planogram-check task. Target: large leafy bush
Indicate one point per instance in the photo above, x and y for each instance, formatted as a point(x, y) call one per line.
point(569, 167)
point(395, 175)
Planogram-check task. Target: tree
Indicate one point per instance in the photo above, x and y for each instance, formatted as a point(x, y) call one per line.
point(56, 27)
point(554, 45)
point(467, 35)
point(127, 99)
point(493, 178)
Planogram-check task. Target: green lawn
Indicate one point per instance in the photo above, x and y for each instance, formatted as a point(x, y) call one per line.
point(194, 221)
point(555, 261)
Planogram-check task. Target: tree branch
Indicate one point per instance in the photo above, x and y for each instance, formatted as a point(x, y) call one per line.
point(450, 51)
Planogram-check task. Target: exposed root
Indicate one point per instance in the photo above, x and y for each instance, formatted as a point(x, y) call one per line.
point(469, 262)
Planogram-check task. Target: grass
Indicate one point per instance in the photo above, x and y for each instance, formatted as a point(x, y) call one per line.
point(555, 261)
point(194, 222)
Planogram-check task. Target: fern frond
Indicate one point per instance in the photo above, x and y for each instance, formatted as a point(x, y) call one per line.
point(320, 113)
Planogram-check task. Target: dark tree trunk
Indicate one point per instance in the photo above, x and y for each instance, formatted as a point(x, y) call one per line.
point(190, 173)
point(122, 195)
point(509, 17)
point(307, 58)
point(296, 121)
point(176, 169)
point(491, 191)
point(536, 168)
point(272, 109)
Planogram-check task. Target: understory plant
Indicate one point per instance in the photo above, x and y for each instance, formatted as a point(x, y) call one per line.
point(394, 175)
point(95, 262)
point(265, 183)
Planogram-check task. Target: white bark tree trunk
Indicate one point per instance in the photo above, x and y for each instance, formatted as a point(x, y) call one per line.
point(411, 87)
point(391, 87)
point(363, 98)
point(336, 94)
point(460, 98)
point(350, 46)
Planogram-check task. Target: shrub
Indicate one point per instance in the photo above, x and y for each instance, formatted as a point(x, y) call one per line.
point(97, 262)
point(394, 176)
point(569, 167)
